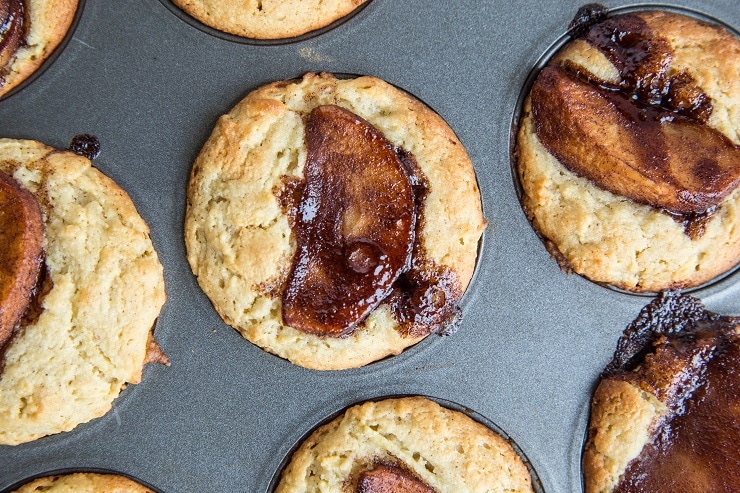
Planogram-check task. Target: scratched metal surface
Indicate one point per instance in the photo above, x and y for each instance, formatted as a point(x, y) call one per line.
point(224, 415)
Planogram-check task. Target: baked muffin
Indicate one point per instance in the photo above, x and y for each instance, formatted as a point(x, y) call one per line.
point(84, 482)
point(333, 222)
point(31, 31)
point(665, 415)
point(409, 444)
point(81, 329)
point(268, 19)
point(628, 152)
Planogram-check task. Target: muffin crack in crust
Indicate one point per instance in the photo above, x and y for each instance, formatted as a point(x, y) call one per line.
point(246, 190)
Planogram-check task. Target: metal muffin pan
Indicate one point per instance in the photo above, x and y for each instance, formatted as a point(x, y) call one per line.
point(225, 414)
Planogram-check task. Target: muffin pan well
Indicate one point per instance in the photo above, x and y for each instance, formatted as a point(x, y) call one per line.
point(224, 414)
point(469, 452)
point(663, 239)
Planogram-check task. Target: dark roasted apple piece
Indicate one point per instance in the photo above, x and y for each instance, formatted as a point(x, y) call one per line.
point(11, 29)
point(689, 359)
point(644, 152)
point(390, 479)
point(696, 449)
point(21, 236)
point(354, 227)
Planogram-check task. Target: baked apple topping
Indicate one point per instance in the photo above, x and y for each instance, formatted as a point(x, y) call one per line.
point(390, 479)
point(355, 226)
point(357, 217)
point(21, 238)
point(644, 136)
point(12, 30)
point(689, 359)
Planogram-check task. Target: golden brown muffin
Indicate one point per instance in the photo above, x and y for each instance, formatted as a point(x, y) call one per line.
point(268, 19)
point(88, 332)
point(34, 30)
point(665, 415)
point(251, 204)
point(628, 152)
point(406, 444)
point(84, 482)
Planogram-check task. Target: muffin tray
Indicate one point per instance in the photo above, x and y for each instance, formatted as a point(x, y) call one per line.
point(224, 415)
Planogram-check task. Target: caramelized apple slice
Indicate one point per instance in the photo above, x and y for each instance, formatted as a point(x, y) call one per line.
point(390, 479)
point(21, 235)
point(11, 29)
point(354, 228)
point(688, 358)
point(646, 153)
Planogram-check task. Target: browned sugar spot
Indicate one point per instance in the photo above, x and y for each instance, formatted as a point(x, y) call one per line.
point(86, 145)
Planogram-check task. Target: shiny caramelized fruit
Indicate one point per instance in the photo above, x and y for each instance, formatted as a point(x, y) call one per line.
point(642, 133)
point(645, 152)
point(355, 224)
point(390, 479)
point(21, 236)
point(11, 28)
